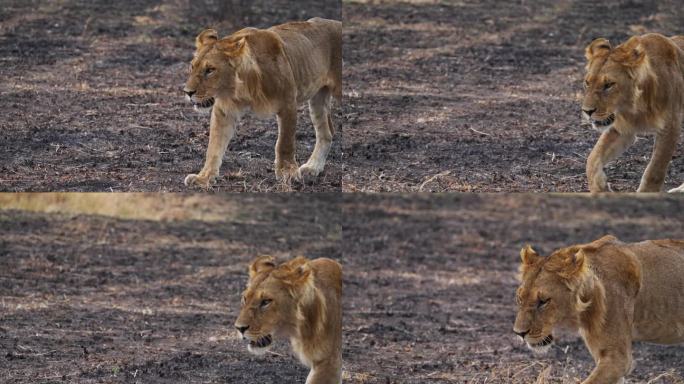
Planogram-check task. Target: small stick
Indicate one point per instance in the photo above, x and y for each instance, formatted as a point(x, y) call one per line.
point(480, 132)
point(420, 189)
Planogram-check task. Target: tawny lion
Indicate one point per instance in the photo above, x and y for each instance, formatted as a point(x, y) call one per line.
point(613, 292)
point(268, 71)
point(300, 300)
point(634, 88)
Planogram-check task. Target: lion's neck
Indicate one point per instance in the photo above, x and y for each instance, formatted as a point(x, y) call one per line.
point(311, 316)
point(313, 310)
point(591, 304)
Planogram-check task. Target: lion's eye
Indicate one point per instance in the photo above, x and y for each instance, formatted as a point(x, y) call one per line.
point(208, 71)
point(608, 86)
point(265, 303)
point(542, 303)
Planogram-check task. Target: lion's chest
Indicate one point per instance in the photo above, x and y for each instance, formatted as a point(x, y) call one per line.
point(299, 351)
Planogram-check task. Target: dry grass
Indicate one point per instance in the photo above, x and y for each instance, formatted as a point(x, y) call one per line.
point(140, 206)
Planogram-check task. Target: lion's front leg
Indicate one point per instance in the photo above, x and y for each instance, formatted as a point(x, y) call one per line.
point(221, 130)
point(663, 149)
point(610, 145)
point(329, 372)
point(286, 167)
point(611, 346)
point(611, 368)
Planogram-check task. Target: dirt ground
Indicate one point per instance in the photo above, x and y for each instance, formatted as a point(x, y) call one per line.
point(428, 296)
point(436, 280)
point(482, 95)
point(90, 96)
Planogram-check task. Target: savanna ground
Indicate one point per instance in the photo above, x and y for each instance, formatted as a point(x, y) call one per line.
point(149, 295)
point(437, 276)
point(91, 100)
point(482, 95)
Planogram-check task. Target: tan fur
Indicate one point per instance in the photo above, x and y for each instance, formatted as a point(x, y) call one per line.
point(270, 72)
point(614, 293)
point(639, 84)
point(305, 307)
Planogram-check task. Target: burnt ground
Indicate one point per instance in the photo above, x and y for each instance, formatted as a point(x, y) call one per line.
point(428, 297)
point(437, 280)
point(482, 95)
point(94, 299)
point(90, 96)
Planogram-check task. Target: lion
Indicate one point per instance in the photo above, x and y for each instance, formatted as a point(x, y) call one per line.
point(633, 89)
point(299, 300)
point(613, 292)
point(270, 72)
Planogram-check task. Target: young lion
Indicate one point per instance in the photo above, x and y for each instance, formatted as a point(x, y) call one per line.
point(300, 300)
point(634, 88)
point(613, 292)
point(269, 71)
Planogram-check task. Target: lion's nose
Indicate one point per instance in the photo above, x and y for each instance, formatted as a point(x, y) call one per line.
point(522, 334)
point(242, 329)
point(589, 112)
point(189, 93)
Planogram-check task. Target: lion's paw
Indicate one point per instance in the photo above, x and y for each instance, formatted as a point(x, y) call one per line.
point(200, 180)
point(286, 172)
point(310, 172)
point(679, 189)
point(599, 183)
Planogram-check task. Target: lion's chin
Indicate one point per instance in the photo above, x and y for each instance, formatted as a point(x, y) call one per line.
point(260, 345)
point(204, 105)
point(605, 124)
point(542, 347)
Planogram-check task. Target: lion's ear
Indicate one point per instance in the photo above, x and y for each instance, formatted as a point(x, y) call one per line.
point(232, 48)
point(631, 53)
point(205, 37)
point(295, 272)
point(575, 265)
point(528, 256)
point(261, 264)
point(598, 47)
point(301, 274)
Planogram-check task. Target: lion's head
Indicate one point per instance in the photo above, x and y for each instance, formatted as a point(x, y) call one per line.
point(219, 66)
point(270, 304)
point(553, 292)
point(611, 81)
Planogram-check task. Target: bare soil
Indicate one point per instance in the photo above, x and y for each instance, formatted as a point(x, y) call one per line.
point(90, 96)
point(428, 296)
point(482, 95)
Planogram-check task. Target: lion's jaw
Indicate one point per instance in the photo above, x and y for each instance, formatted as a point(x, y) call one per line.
point(202, 105)
point(541, 345)
point(603, 124)
point(259, 345)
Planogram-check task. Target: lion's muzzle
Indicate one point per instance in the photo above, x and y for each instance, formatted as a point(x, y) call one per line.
point(202, 104)
point(542, 346)
point(260, 345)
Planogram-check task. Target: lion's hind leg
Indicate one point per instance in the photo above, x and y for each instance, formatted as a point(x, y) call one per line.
point(319, 110)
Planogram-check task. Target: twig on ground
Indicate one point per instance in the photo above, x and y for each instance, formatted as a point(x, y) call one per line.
point(480, 132)
point(431, 178)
